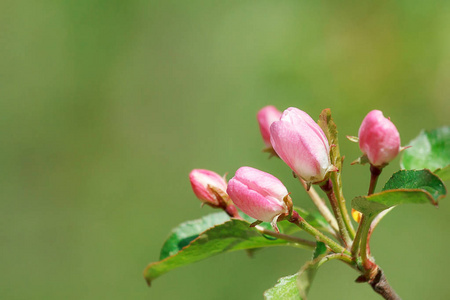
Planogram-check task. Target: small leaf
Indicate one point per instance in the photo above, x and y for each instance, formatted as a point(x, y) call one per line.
point(296, 287)
point(430, 150)
point(188, 231)
point(320, 249)
point(285, 289)
point(230, 236)
point(405, 186)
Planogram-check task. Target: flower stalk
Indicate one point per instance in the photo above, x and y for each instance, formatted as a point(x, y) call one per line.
point(342, 207)
point(305, 243)
point(327, 187)
point(374, 175)
point(321, 206)
point(332, 245)
point(357, 240)
point(368, 265)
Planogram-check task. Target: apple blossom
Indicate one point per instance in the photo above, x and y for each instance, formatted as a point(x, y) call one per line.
point(302, 145)
point(258, 194)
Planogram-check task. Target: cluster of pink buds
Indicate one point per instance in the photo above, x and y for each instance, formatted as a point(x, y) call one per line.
point(311, 150)
point(300, 142)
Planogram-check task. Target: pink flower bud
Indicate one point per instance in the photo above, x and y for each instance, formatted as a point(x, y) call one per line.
point(202, 181)
point(266, 116)
point(258, 194)
point(378, 138)
point(302, 145)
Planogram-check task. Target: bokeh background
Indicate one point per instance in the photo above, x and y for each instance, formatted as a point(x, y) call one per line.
point(106, 106)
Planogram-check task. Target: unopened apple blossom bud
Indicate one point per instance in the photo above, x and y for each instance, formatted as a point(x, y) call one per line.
point(259, 194)
point(266, 116)
point(302, 145)
point(379, 139)
point(207, 185)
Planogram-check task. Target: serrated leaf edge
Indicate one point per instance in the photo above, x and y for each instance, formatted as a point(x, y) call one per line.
point(169, 257)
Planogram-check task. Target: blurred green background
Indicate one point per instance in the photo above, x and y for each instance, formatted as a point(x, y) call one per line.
point(106, 106)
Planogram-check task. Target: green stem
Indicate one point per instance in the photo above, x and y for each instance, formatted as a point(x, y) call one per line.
point(341, 256)
point(357, 240)
point(321, 206)
point(365, 251)
point(308, 244)
point(332, 245)
point(327, 187)
point(343, 208)
point(374, 174)
point(365, 228)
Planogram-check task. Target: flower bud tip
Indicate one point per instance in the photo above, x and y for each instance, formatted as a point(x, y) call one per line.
point(378, 138)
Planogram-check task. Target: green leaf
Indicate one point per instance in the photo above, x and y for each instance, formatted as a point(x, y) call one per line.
point(286, 288)
point(188, 231)
point(296, 287)
point(417, 179)
point(406, 186)
point(430, 150)
point(376, 203)
point(230, 236)
point(320, 249)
